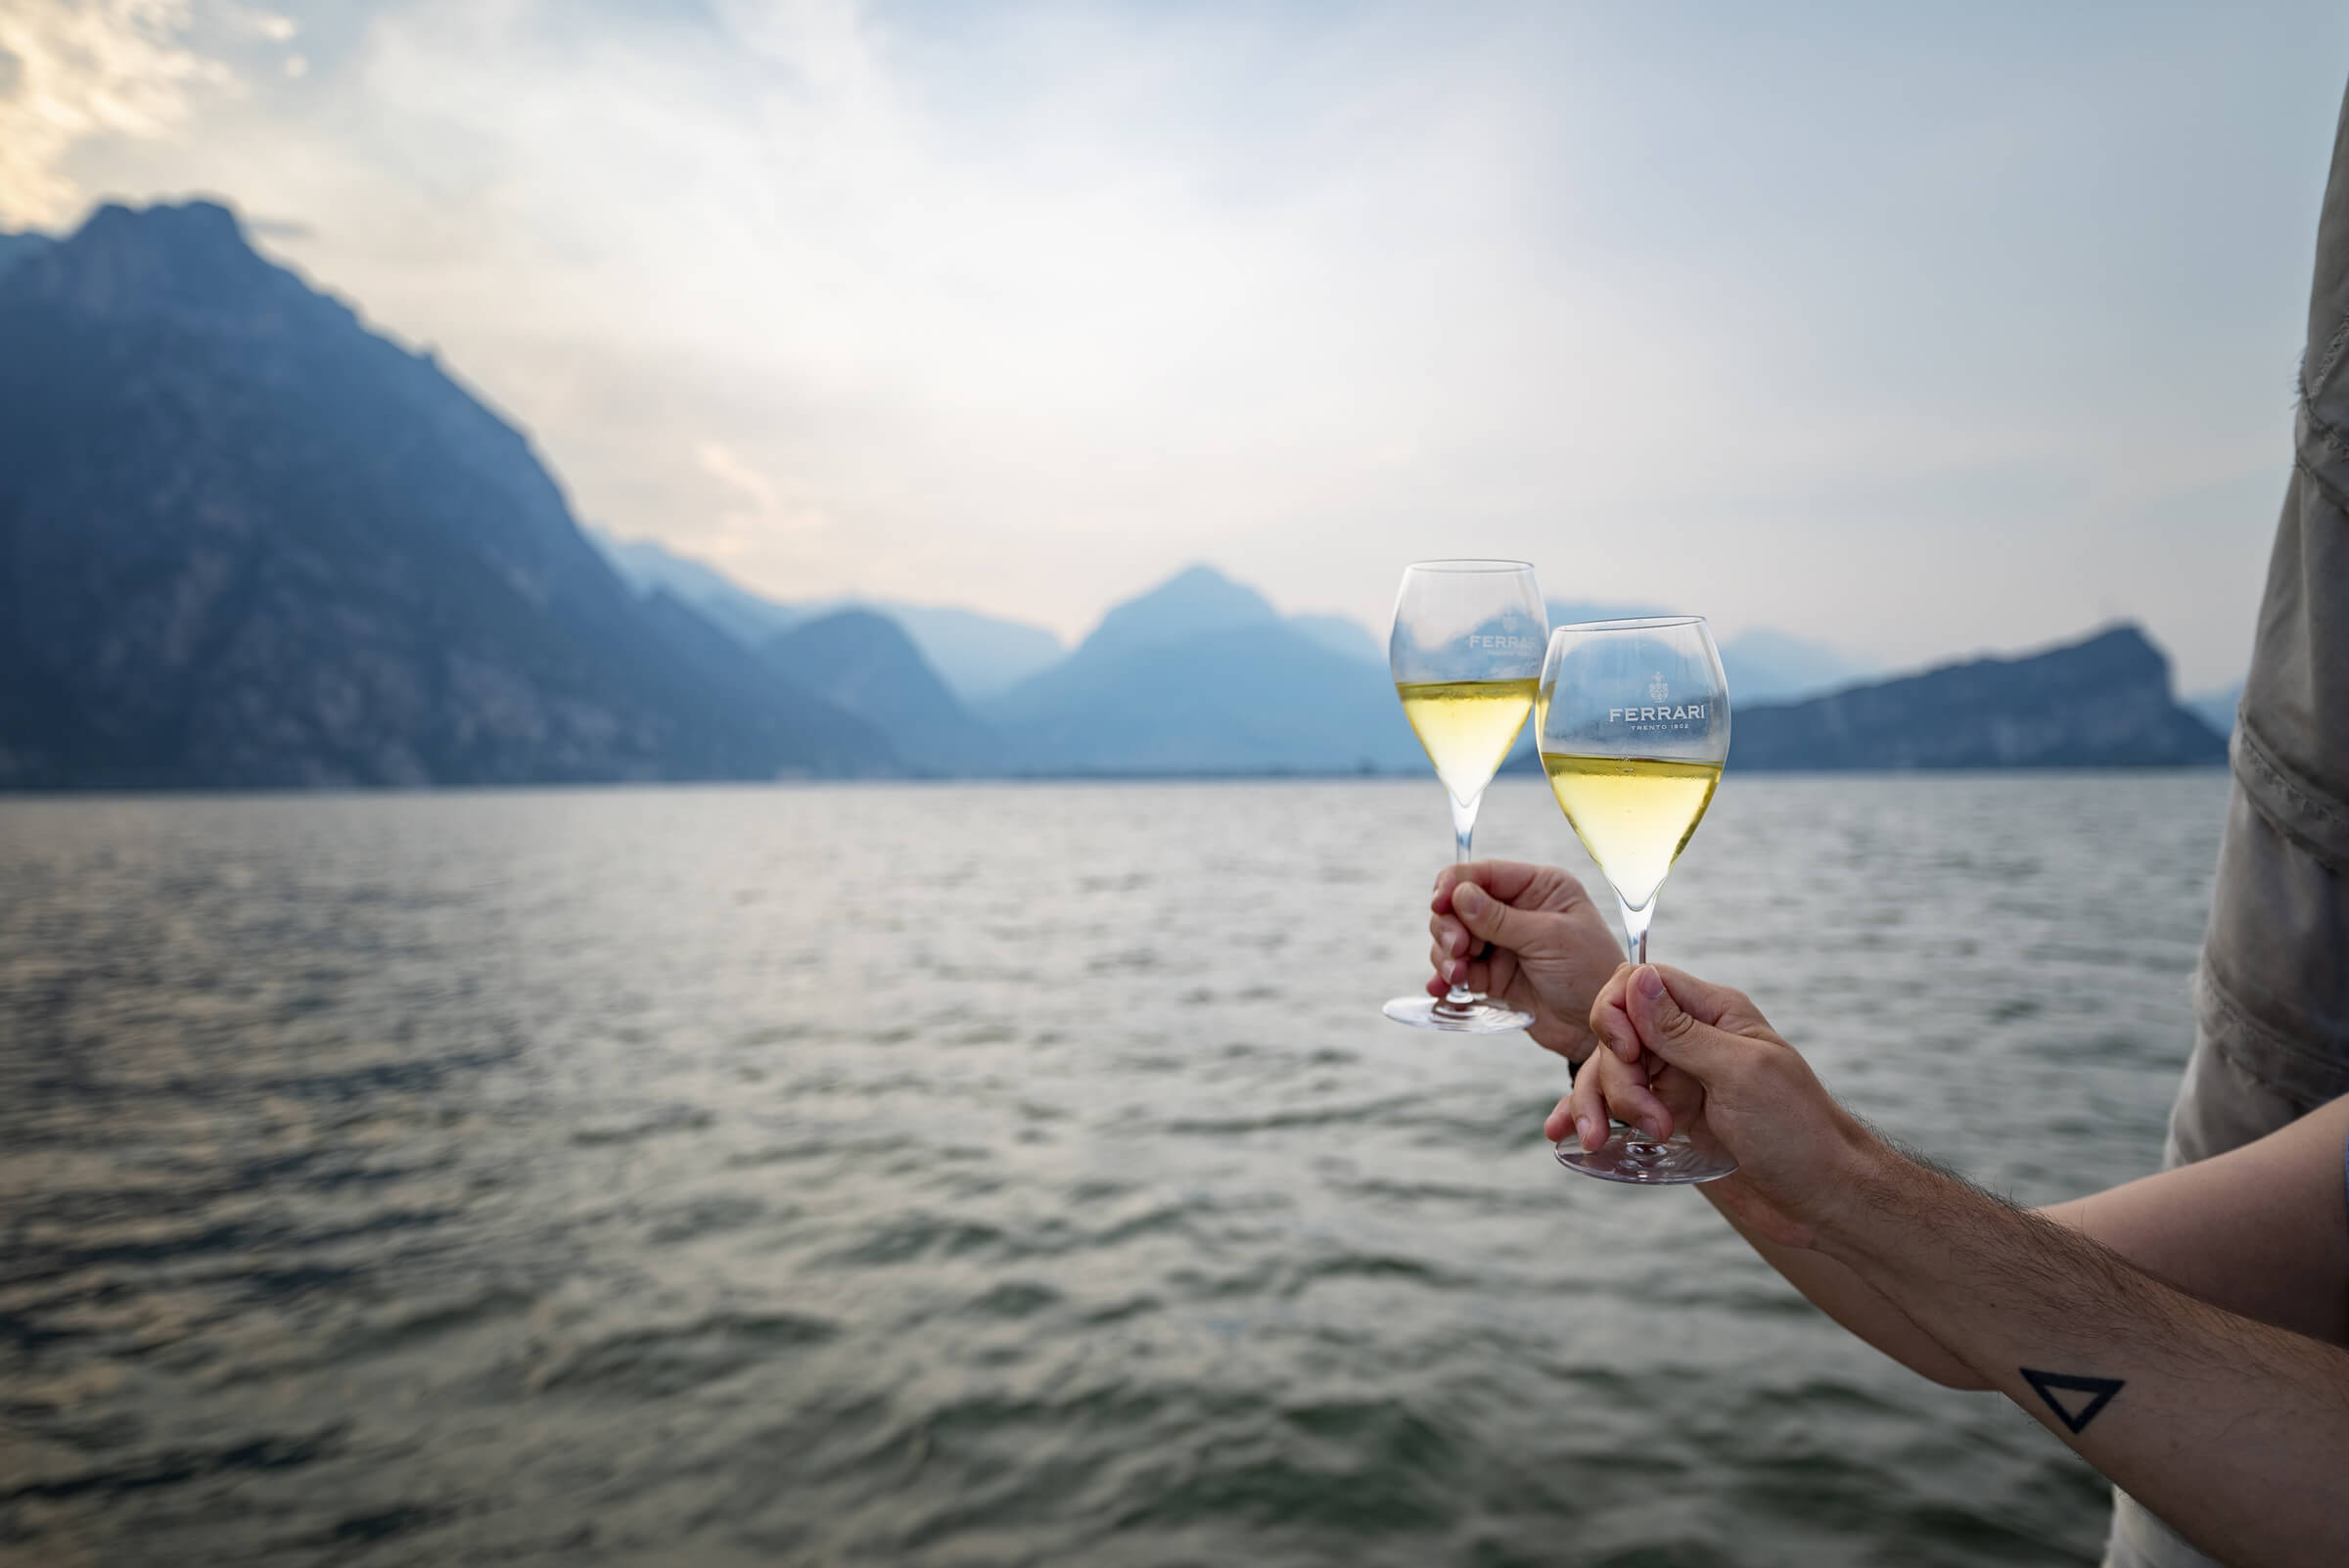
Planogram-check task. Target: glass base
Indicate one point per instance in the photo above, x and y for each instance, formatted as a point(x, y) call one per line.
point(1632, 1156)
point(1479, 1017)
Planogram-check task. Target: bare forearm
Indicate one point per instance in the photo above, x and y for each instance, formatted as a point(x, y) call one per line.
point(2235, 1432)
point(1856, 1304)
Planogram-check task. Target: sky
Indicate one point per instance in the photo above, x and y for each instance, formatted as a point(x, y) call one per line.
point(1919, 331)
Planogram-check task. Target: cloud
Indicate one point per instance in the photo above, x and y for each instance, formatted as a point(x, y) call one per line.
point(1071, 310)
point(266, 24)
point(757, 512)
point(70, 69)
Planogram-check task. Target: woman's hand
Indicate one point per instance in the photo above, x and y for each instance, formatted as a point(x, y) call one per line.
point(1526, 935)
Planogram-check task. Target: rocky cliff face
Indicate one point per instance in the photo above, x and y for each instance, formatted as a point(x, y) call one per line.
point(245, 541)
point(2102, 703)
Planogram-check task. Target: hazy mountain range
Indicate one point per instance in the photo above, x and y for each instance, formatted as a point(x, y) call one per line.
point(981, 656)
point(246, 542)
point(2105, 702)
point(977, 654)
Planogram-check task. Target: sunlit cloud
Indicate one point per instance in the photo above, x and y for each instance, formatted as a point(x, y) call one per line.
point(760, 512)
point(72, 70)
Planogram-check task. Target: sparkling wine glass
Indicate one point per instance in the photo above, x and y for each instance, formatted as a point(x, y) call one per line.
point(1635, 729)
point(1466, 655)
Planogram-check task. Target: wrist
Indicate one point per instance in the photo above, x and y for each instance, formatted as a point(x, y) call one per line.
point(1869, 1198)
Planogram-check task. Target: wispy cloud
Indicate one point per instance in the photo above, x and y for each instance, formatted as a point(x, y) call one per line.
point(72, 70)
point(759, 513)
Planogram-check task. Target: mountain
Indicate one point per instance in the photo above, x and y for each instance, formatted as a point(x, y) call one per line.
point(245, 541)
point(1345, 637)
point(977, 654)
point(649, 569)
point(700, 642)
point(865, 663)
point(1196, 602)
point(2101, 703)
point(1202, 676)
point(1255, 699)
point(16, 247)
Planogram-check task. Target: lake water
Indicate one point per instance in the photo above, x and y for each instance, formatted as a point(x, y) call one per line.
point(972, 1175)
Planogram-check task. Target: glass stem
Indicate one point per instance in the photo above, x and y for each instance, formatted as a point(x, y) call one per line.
point(1464, 829)
point(1635, 945)
point(1635, 927)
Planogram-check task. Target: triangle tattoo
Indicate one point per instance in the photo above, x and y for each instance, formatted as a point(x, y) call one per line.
point(2074, 1400)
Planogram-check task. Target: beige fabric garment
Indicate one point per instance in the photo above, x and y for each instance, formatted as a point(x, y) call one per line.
point(2272, 994)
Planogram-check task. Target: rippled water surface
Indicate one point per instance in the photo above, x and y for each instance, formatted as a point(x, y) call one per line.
point(998, 1174)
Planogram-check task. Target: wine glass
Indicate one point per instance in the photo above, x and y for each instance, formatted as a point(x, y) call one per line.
point(1466, 657)
point(1635, 729)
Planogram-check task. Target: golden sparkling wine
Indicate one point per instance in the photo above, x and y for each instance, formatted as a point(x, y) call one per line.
point(1467, 727)
point(1634, 814)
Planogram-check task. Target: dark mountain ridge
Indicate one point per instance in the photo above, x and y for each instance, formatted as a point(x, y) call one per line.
point(2102, 703)
point(245, 541)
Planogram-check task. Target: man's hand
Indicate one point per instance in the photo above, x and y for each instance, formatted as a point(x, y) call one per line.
point(1549, 951)
point(2236, 1425)
point(1799, 1154)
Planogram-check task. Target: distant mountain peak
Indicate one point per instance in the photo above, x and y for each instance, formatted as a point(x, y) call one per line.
point(1198, 576)
point(1201, 588)
point(1195, 602)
